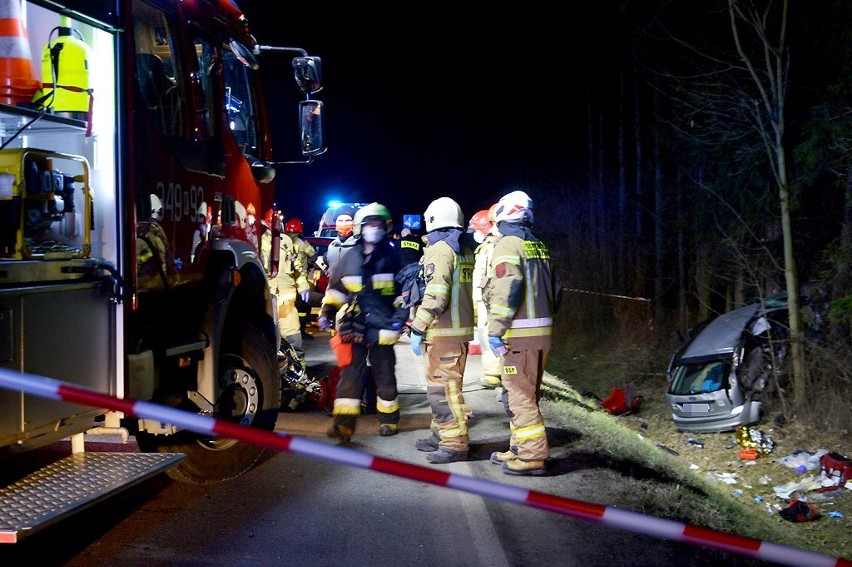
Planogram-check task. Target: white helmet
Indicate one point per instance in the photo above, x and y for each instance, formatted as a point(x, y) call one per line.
point(156, 208)
point(514, 206)
point(443, 213)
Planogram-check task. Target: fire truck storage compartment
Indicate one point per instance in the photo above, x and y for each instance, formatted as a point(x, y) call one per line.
point(37, 323)
point(47, 201)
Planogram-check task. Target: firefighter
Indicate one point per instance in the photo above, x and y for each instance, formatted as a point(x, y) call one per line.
point(156, 264)
point(362, 292)
point(518, 292)
point(251, 226)
point(202, 229)
point(305, 254)
point(286, 286)
point(442, 327)
point(410, 247)
point(341, 243)
point(336, 248)
point(482, 226)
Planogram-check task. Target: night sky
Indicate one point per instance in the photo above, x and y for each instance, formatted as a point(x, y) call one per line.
point(453, 101)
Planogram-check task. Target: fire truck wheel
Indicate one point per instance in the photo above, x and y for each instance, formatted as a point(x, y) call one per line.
point(250, 392)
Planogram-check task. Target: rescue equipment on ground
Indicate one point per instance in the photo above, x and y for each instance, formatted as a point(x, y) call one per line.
point(748, 454)
point(836, 467)
point(65, 74)
point(799, 511)
point(325, 402)
point(298, 390)
point(750, 438)
point(621, 401)
point(17, 82)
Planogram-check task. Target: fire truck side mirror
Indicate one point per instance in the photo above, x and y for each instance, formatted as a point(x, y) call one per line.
point(262, 172)
point(244, 54)
point(310, 127)
point(308, 73)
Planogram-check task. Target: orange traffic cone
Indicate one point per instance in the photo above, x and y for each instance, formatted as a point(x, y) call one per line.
point(17, 84)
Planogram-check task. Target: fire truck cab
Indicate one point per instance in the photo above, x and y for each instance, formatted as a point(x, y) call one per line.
point(136, 155)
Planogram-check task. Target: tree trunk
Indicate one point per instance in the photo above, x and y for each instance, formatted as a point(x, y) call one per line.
point(638, 187)
point(659, 243)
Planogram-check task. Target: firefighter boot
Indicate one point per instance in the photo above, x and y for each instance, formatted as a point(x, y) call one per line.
point(524, 468)
point(343, 433)
point(388, 429)
point(498, 458)
point(428, 444)
point(442, 456)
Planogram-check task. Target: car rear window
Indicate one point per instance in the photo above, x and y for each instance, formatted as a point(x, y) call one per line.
point(699, 377)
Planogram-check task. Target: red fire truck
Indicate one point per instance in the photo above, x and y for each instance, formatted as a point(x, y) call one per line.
point(136, 168)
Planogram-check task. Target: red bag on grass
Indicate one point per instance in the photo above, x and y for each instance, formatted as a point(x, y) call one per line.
point(836, 467)
point(621, 401)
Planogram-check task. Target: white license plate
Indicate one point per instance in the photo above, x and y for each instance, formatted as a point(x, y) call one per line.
point(696, 408)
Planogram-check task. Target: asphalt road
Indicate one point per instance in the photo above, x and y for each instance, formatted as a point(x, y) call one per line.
point(295, 510)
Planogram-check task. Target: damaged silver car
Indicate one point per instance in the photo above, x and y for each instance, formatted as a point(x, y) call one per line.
point(718, 377)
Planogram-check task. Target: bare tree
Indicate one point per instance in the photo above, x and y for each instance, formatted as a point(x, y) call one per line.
point(764, 55)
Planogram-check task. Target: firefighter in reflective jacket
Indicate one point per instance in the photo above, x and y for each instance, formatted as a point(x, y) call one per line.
point(442, 327)
point(286, 285)
point(519, 295)
point(482, 225)
point(362, 292)
point(305, 254)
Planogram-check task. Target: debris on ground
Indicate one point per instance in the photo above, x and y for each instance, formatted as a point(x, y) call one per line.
point(799, 511)
point(801, 458)
point(753, 439)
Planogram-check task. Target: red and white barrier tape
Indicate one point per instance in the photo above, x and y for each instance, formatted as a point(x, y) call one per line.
point(631, 521)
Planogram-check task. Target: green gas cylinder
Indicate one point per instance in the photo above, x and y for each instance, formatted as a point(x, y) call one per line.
point(65, 71)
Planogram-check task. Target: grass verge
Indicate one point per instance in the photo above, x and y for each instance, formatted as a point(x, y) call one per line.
point(662, 484)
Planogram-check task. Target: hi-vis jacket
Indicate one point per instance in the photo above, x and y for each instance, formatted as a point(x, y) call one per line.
point(519, 293)
point(368, 282)
point(289, 279)
point(484, 253)
point(304, 253)
point(446, 312)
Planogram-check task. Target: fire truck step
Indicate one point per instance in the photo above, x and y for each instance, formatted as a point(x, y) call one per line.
point(71, 484)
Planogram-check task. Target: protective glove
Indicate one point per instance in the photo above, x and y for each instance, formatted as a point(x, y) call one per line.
point(323, 323)
point(396, 325)
point(416, 341)
point(498, 347)
point(305, 295)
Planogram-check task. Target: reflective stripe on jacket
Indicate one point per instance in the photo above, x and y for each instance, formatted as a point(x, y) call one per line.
point(446, 311)
point(517, 293)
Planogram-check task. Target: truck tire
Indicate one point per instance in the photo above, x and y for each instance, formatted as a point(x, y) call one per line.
point(250, 386)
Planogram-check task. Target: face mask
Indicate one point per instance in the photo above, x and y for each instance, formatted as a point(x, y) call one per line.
point(479, 237)
point(372, 234)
